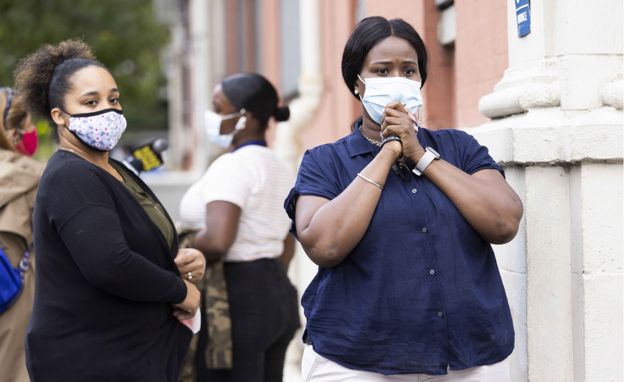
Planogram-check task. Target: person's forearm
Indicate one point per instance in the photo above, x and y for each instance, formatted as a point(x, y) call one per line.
point(221, 228)
point(138, 280)
point(491, 207)
point(212, 248)
point(337, 227)
point(288, 249)
point(104, 258)
point(129, 275)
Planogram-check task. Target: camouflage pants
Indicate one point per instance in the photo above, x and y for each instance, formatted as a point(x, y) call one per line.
point(216, 320)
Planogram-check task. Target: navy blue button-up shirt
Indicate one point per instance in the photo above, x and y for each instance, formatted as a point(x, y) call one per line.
point(421, 292)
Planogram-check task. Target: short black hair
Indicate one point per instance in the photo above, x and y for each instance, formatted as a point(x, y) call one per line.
point(369, 32)
point(254, 93)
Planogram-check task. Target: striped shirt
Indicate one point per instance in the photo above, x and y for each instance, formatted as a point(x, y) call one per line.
point(255, 180)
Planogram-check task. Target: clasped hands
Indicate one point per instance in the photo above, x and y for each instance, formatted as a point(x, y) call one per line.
point(191, 264)
point(397, 120)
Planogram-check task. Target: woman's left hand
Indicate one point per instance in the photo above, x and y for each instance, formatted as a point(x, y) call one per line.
point(191, 264)
point(397, 120)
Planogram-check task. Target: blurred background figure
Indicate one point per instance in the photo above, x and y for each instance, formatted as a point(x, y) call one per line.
point(242, 230)
point(19, 176)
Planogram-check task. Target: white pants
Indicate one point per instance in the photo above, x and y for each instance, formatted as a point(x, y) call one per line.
point(316, 368)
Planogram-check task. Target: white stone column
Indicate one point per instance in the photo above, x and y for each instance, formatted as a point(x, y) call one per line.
point(200, 81)
point(597, 272)
point(303, 109)
point(549, 324)
point(310, 84)
point(557, 129)
point(190, 49)
point(175, 81)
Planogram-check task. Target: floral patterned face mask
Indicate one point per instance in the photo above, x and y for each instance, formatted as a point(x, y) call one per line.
point(100, 130)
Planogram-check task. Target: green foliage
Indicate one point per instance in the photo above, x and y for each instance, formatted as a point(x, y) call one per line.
point(46, 145)
point(124, 35)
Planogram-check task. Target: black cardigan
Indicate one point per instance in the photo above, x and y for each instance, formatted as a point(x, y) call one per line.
point(105, 282)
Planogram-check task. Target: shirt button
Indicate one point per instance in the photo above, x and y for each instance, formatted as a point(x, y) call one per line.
point(440, 314)
point(424, 229)
point(414, 191)
point(432, 272)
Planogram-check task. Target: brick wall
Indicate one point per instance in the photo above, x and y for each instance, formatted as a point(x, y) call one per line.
point(481, 55)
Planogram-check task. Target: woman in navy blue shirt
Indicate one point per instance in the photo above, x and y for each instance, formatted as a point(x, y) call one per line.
point(400, 220)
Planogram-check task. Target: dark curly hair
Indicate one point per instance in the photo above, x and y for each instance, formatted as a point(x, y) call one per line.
point(367, 34)
point(42, 78)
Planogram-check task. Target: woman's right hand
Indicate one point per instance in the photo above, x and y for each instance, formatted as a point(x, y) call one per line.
point(398, 121)
point(394, 148)
point(188, 307)
point(191, 264)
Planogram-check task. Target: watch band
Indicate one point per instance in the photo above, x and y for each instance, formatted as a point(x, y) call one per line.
point(429, 156)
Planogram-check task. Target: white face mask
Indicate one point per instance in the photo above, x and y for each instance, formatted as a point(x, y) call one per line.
point(100, 130)
point(212, 123)
point(380, 91)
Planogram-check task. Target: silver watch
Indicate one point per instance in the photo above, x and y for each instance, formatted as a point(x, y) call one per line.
point(429, 156)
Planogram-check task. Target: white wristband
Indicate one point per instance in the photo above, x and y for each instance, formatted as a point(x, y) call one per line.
point(429, 156)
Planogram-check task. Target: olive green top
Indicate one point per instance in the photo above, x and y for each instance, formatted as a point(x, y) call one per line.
point(150, 206)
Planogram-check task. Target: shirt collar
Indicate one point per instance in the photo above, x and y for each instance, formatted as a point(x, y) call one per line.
point(356, 143)
point(258, 142)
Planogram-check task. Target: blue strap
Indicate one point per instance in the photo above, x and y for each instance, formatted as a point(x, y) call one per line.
point(23, 266)
point(11, 279)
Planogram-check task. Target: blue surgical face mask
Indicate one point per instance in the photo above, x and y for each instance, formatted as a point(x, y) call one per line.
point(213, 122)
point(380, 91)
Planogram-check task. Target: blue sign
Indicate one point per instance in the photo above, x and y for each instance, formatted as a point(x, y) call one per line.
point(523, 17)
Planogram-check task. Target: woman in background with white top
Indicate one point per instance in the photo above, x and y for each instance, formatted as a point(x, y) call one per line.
point(237, 208)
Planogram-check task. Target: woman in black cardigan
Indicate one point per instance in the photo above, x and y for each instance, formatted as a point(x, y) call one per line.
point(110, 290)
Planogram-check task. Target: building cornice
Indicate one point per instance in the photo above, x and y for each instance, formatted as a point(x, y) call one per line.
point(554, 137)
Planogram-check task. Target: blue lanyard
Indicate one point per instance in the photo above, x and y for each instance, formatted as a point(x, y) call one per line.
point(259, 142)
